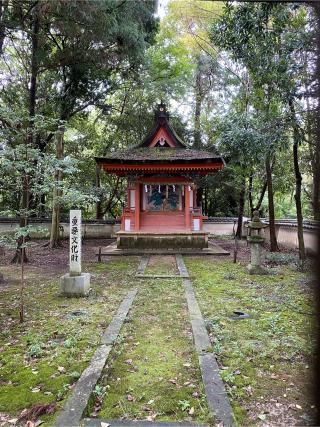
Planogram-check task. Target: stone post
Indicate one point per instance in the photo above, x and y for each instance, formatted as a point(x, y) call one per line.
point(255, 241)
point(75, 283)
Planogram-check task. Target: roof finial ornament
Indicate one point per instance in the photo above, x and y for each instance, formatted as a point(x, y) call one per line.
point(161, 111)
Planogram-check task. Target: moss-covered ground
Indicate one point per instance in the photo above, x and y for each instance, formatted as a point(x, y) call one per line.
point(162, 265)
point(265, 360)
point(153, 371)
point(41, 358)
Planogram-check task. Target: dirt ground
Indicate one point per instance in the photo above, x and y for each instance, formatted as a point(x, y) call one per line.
point(57, 259)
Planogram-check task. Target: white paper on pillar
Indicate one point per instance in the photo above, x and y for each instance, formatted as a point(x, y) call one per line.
point(127, 225)
point(75, 242)
point(196, 224)
point(132, 198)
point(191, 198)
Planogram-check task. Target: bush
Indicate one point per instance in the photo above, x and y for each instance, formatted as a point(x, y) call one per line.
point(35, 350)
point(281, 258)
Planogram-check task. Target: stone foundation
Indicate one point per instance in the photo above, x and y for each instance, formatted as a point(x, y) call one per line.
point(73, 286)
point(192, 240)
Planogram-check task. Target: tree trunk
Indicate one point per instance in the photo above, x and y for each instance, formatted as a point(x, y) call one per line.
point(298, 178)
point(99, 213)
point(3, 10)
point(241, 208)
point(197, 113)
point(250, 189)
point(57, 192)
point(314, 150)
point(20, 254)
point(263, 192)
point(205, 201)
point(273, 238)
point(25, 200)
point(112, 196)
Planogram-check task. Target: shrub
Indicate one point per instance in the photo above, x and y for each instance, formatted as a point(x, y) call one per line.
point(281, 258)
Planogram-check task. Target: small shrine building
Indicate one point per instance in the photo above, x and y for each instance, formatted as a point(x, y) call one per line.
point(161, 172)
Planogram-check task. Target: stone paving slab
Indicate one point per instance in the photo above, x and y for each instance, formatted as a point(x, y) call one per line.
point(181, 266)
point(76, 403)
point(91, 422)
point(113, 329)
point(216, 394)
point(183, 272)
point(161, 276)
point(143, 265)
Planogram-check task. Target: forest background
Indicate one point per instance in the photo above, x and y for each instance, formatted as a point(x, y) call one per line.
point(82, 78)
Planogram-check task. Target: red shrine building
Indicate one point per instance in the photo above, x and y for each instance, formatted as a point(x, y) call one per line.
point(161, 173)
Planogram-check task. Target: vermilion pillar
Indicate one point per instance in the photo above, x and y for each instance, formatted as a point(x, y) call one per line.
point(187, 206)
point(137, 208)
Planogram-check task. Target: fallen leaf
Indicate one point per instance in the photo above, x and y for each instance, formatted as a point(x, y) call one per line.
point(191, 411)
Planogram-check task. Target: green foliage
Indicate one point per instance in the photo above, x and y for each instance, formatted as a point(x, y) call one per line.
point(35, 350)
point(281, 258)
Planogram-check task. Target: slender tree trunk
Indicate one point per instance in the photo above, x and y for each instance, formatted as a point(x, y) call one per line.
point(99, 213)
point(25, 200)
point(112, 196)
point(250, 189)
point(241, 208)
point(3, 10)
point(273, 238)
point(316, 183)
point(298, 178)
point(22, 282)
point(55, 223)
point(197, 113)
point(263, 192)
point(206, 201)
point(20, 254)
point(314, 150)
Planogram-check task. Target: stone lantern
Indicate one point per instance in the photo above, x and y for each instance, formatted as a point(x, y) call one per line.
point(255, 240)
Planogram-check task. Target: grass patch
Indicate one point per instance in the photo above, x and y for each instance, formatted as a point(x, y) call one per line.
point(154, 373)
point(265, 360)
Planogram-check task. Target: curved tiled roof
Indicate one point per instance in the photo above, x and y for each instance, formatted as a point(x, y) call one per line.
point(163, 154)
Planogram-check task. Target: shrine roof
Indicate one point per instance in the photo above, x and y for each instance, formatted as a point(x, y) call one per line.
point(160, 155)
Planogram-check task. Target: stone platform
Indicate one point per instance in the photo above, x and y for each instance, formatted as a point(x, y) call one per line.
point(113, 250)
point(162, 240)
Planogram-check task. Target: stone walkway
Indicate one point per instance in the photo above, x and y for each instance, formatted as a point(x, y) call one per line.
point(217, 399)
